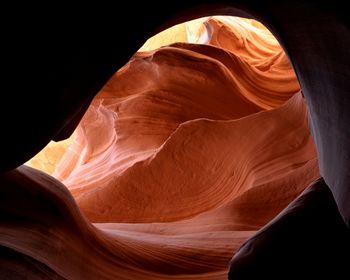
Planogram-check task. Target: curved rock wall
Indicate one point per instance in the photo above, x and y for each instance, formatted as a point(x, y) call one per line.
point(183, 155)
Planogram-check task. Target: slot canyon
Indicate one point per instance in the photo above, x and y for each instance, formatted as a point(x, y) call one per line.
point(192, 140)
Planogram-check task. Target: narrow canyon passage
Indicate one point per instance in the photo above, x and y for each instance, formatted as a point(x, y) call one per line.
point(200, 140)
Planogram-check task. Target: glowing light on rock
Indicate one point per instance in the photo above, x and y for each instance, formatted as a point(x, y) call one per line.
point(195, 144)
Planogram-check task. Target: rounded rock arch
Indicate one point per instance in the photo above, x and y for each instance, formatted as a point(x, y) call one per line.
point(74, 67)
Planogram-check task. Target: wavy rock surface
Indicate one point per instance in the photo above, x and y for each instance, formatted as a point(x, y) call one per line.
point(183, 155)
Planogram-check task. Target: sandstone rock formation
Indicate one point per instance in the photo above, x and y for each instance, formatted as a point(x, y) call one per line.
point(185, 153)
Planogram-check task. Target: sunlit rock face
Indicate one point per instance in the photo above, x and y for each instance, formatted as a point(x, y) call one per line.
point(184, 154)
point(246, 39)
point(49, 157)
point(182, 129)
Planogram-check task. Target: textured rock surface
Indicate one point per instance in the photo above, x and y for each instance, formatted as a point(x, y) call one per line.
point(70, 62)
point(175, 171)
point(160, 149)
point(54, 72)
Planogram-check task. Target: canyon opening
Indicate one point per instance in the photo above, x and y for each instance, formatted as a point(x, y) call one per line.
point(199, 141)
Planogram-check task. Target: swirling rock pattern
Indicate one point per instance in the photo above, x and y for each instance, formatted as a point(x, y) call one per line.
point(185, 153)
